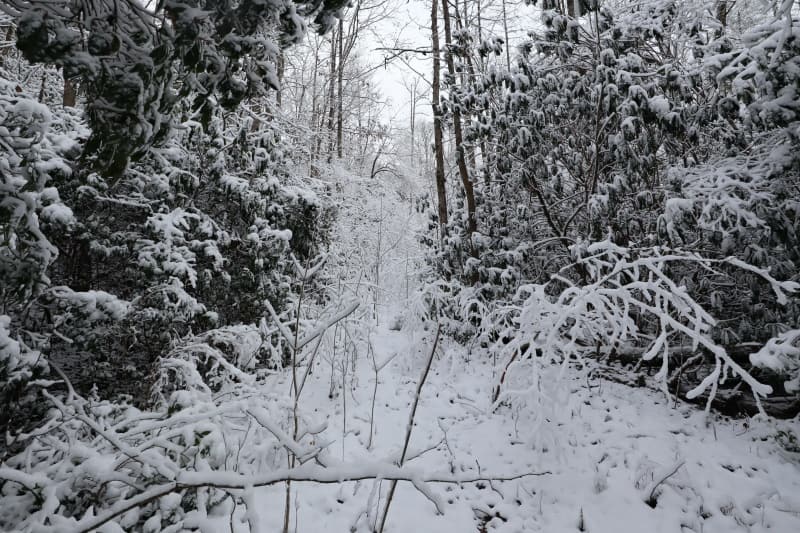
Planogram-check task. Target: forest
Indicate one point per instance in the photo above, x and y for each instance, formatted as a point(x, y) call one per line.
point(377, 266)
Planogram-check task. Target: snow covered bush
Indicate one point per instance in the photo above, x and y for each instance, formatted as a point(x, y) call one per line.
point(34, 145)
point(742, 200)
point(195, 235)
point(135, 62)
point(142, 243)
point(782, 354)
point(630, 303)
point(20, 369)
point(655, 128)
point(99, 461)
point(144, 229)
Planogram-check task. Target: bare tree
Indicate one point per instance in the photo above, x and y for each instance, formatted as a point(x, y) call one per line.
point(416, 95)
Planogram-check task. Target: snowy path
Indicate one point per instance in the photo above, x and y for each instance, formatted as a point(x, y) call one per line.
point(602, 465)
point(605, 454)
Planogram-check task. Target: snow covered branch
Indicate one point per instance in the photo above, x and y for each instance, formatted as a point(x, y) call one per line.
point(303, 473)
point(627, 294)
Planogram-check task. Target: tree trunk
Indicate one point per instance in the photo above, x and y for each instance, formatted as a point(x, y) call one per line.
point(437, 122)
point(281, 68)
point(41, 87)
point(339, 78)
point(505, 32)
point(467, 76)
point(574, 8)
point(722, 16)
point(459, 135)
point(315, 111)
point(331, 98)
point(413, 116)
point(484, 151)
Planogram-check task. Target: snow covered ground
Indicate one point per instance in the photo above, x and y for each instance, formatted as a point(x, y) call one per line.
point(610, 459)
point(603, 462)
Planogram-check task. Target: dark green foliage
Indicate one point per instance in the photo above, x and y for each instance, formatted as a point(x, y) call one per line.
point(650, 128)
point(170, 215)
point(135, 64)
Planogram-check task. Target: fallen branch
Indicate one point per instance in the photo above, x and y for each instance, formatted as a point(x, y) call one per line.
point(311, 473)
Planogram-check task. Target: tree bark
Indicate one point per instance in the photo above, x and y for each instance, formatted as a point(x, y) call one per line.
point(469, 192)
point(315, 122)
point(437, 122)
point(722, 16)
point(331, 98)
point(413, 116)
point(505, 33)
point(468, 77)
point(574, 8)
point(281, 67)
point(339, 78)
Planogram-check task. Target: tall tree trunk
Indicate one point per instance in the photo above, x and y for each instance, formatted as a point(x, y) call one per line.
point(484, 151)
point(315, 130)
point(574, 8)
point(459, 135)
point(281, 68)
point(331, 97)
point(41, 87)
point(505, 32)
point(480, 34)
point(437, 122)
point(413, 117)
point(722, 16)
point(413, 121)
point(468, 76)
point(339, 78)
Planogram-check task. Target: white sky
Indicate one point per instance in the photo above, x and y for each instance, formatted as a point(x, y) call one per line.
point(410, 28)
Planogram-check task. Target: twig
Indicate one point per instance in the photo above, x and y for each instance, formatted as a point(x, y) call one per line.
point(651, 497)
point(410, 426)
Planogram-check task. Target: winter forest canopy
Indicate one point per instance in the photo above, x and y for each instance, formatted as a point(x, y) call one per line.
point(376, 266)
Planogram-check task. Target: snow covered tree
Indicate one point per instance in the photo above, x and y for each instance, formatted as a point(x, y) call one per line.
point(161, 214)
point(34, 143)
point(145, 234)
point(135, 62)
point(653, 128)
